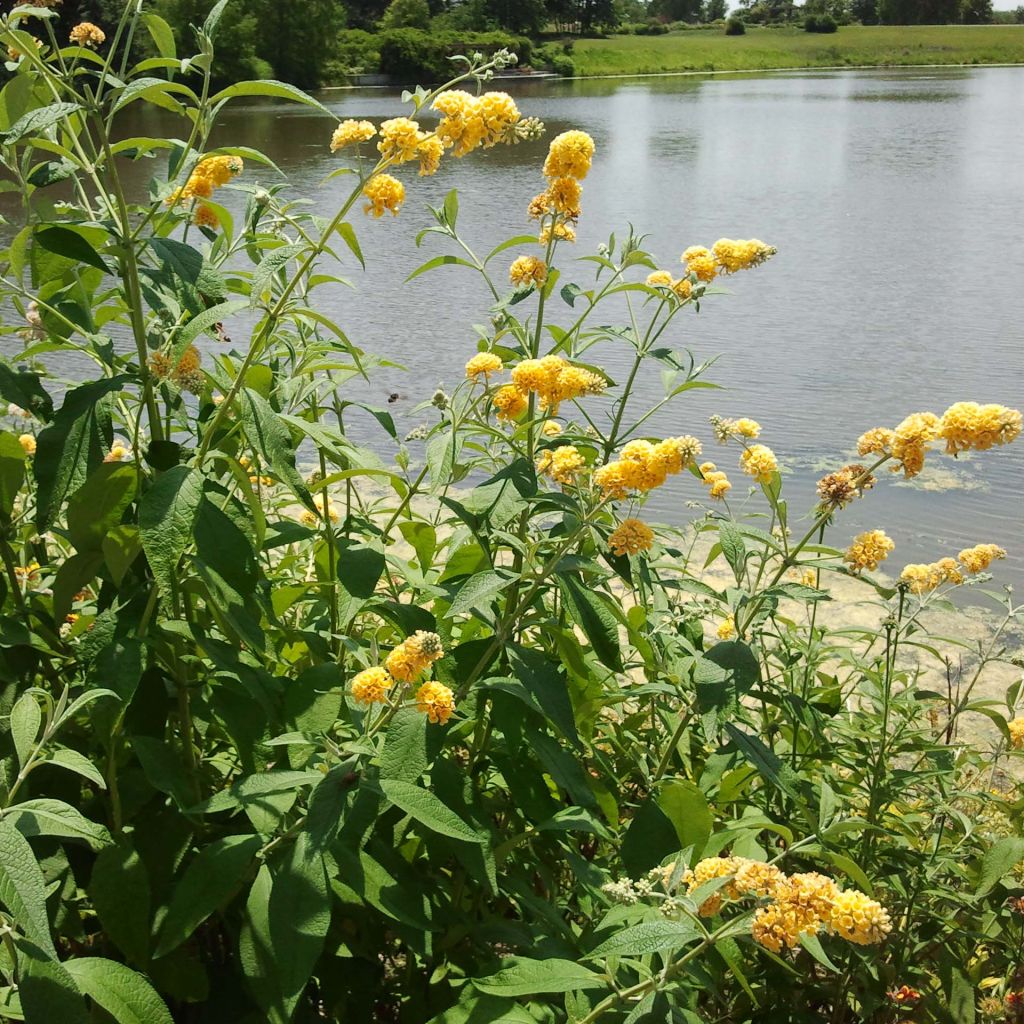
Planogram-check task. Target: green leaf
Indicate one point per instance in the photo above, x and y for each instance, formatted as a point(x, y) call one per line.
point(64, 241)
point(650, 838)
point(732, 547)
point(12, 471)
point(768, 764)
point(25, 721)
point(73, 761)
point(251, 789)
point(120, 893)
point(161, 34)
point(23, 388)
point(270, 87)
point(270, 266)
point(46, 817)
point(22, 888)
point(121, 546)
point(478, 592)
point(812, 944)
point(438, 261)
point(428, 810)
point(48, 992)
point(127, 996)
point(167, 514)
point(724, 674)
point(73, 445)
point(211, 879)
point(590, 612)
point(1002, 857)
point(685, 805)
point(272, 441)
point(474, 1008)
point(98, 505)
point(348, 235)
point(547, 683)
point(404, 756)
point(287, 916)
point(647, 937)
point(38, 121)
point(201, 322)
point(526, 977)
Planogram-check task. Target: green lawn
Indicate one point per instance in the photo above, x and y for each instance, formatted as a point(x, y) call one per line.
point(792, 47)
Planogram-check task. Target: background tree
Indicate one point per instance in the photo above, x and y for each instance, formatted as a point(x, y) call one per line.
point(976, 12)
point(864, 11)
point(406, 14)
point(714, 10)
point(677, 10)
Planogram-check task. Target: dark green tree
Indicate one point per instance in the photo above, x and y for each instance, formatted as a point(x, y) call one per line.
point(714, 10)
point(864, 11)
point(976, 12)
point(406, 14)
point(676, 10)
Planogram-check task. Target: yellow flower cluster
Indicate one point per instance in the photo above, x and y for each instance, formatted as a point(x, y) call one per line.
point(858, 918)
point(436, 701)
point(725, 429)
point(569, 155)
point(28, 443)
point(528, 271)
point(980, 557)
point(383, 193)
point(716, 480)
point(402, 140)
point(562, 232)
point(469, 121)
point(413, 656)
point(206, 176)
point(645, 465)
point(510, 402)
point(561, 464)
point(726, 628)
point(371, 686)
point(87, 34)
point(551, 428)
point(700, 262)
point(484, 363)
point(554, 380)
point(922, 578)
point(206, 217)
point(1016, 728)
point(630, 537)
point(759, 462)
point(351, 133)
point(733, 255)
point(681, 287)
point(868, 549)
point(964, 426)
point(968, 425)
point(311, 519)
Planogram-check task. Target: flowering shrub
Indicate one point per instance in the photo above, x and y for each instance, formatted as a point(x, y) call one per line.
point(293, 731)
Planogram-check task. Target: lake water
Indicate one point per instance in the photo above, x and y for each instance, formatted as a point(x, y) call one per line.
point(894, 198)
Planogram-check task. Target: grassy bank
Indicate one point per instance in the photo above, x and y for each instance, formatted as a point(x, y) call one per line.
point(792, 47)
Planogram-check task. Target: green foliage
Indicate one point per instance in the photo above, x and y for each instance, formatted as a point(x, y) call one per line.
point(406, 14)
point(413, 55)
point(735, 26)
point(298, 729)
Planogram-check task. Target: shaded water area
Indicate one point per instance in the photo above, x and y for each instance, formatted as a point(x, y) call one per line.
point(893, 196)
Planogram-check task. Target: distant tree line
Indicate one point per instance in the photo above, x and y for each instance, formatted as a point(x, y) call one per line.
point(309, 41)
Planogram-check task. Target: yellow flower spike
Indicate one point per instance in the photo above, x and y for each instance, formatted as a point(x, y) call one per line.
point(88, 34)
point(462, 124)
point(351, 133)
point(569, 155)
point(528, 271)
point(436, 701)
point(630, 537)
point(968, 426)
point(858, 918)
point(510, 403)
point(726, 629)
point(701, 262)
point(659, 279)
point(868, 549)
point(384, 194)
point(562, 464)
point(483, 363)
point(430, 151)
point(400, 137)
point(371, 686)
point(759, 461)
point(980, 557)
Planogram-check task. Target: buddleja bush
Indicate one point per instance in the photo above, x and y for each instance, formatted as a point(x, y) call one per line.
point(454, 736)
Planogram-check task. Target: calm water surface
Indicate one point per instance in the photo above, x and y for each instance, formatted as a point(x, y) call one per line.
point(894, 198)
